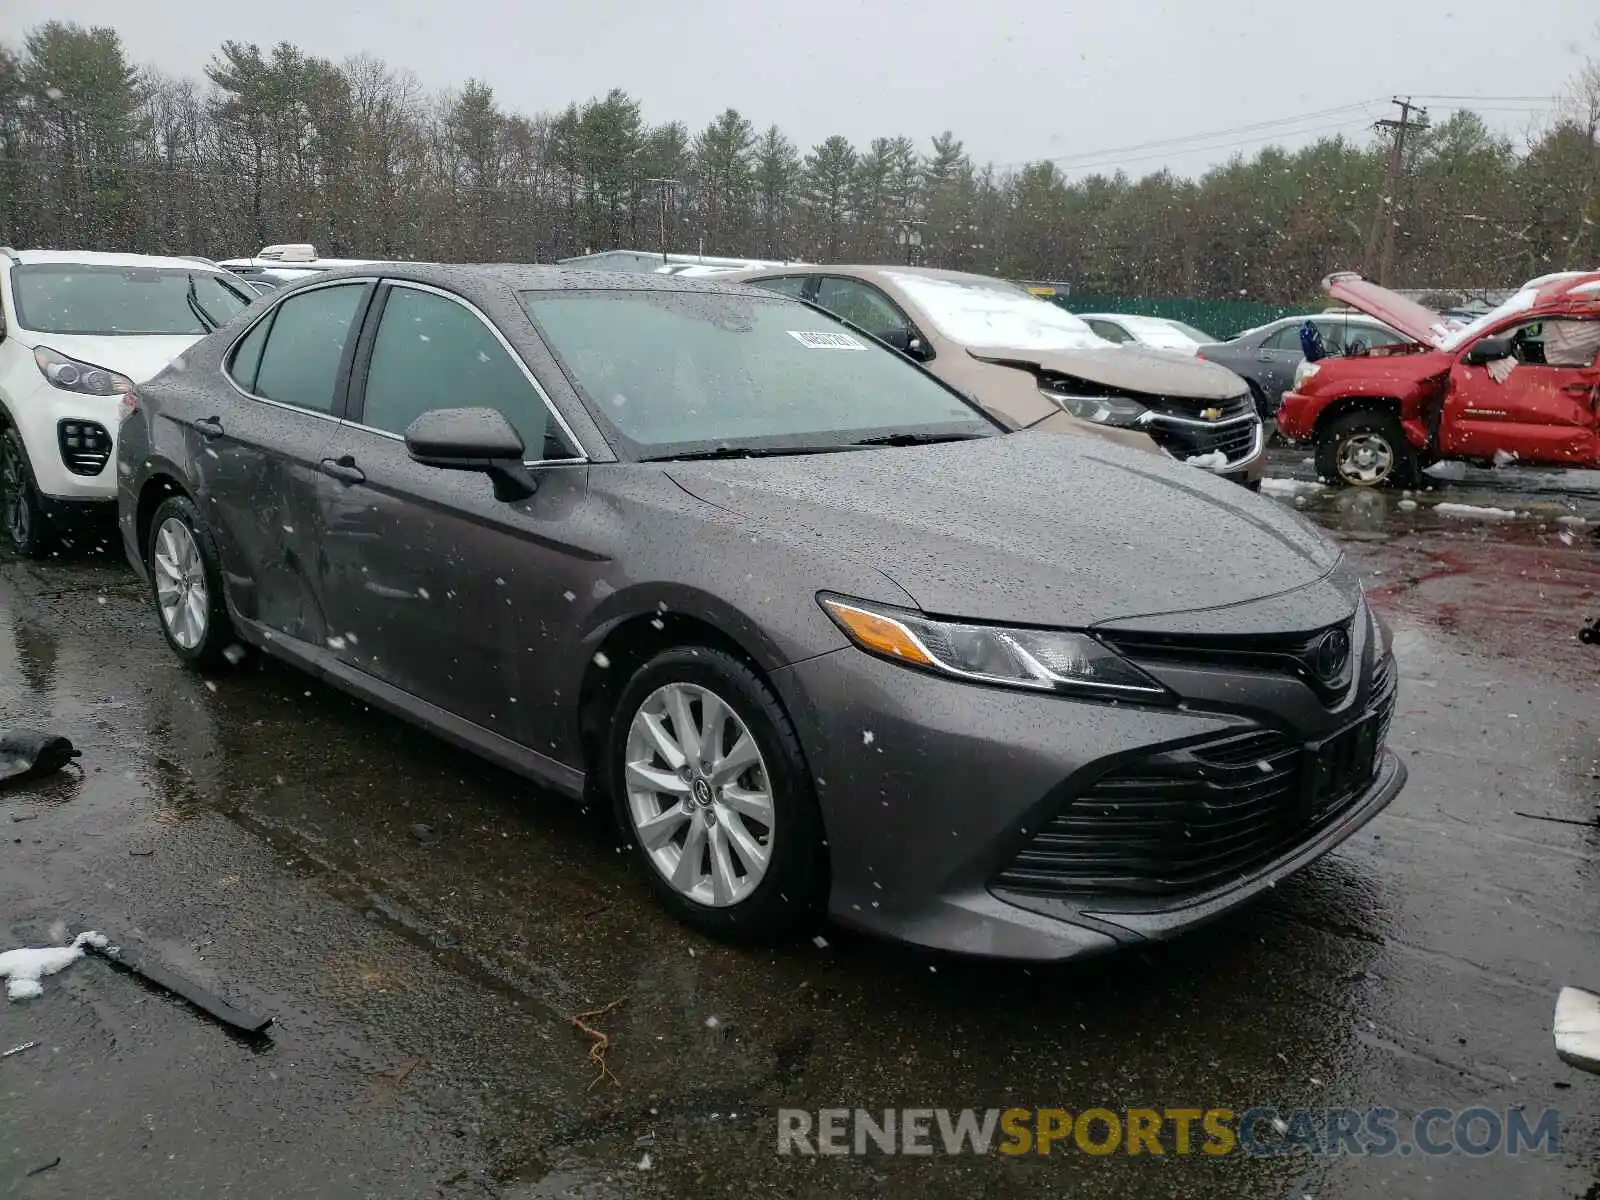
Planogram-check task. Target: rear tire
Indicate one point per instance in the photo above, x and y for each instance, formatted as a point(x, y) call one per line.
point(735, 850)
point(23, 524)
point(186, 585)
point(1365, 448)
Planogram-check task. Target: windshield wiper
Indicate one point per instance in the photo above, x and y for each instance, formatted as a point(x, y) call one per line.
point(197, 308)
point(745, 452)
point(917, 439)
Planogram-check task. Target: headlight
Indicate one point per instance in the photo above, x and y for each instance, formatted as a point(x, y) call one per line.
point(1046, 660)
point(70, 375)
point(1102, 410)
point(1304, 372)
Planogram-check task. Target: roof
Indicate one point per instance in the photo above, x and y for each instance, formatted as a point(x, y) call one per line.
point(97, 258)
point(526, 277)
point(880, 269)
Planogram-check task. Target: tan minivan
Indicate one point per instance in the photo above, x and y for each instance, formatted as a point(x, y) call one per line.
point(1032, 364)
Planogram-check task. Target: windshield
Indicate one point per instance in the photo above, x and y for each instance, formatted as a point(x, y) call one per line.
point(1153, 331)
point(680, 372)
point(991, 312)
point(1189, 331)
point(70, 298)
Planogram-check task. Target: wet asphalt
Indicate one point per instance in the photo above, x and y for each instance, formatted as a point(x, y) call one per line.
point(424, 927)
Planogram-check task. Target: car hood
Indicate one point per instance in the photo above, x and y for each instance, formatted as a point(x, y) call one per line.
point(138, 356)
point(1396, 311)
point(1128, 367)
point(1027, 528)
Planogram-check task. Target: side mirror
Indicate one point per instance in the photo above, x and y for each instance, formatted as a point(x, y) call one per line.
point(1487, 350)
point(472, 439)
point(907, 343)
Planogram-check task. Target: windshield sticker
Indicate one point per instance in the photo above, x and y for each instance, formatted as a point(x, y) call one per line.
point(817, 339)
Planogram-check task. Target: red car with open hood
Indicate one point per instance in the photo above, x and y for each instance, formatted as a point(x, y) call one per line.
point(1522, 380)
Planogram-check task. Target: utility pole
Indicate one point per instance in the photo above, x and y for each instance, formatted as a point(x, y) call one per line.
point(1387, 216)
point(663, 188)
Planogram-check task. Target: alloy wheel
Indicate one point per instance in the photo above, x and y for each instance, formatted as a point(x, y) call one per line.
point(699, 795)
point(181, 590)
point(1366, 458)
point(14, 507)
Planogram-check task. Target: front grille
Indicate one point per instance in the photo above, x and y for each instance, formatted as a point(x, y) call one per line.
point(1184, 439)
point(1282, 654)
point(1183, 822)
point(85, 446)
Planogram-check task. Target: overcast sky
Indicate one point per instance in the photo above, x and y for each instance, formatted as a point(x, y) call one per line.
point(1046, 79)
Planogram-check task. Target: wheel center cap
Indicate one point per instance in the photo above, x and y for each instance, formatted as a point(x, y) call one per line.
point(702, 793)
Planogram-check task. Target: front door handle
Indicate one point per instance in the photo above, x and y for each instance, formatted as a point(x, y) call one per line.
point(344, 469)
point(209, 427)
point(1264, 356)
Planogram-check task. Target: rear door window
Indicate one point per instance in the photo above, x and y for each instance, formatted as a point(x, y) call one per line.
point(306, 345)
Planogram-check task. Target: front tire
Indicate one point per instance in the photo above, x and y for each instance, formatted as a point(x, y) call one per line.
point(23, 523)
point(186, 584)
point(709, 786)
point(1366, 448)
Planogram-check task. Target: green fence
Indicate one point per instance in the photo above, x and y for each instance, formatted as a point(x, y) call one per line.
point(1220, 318)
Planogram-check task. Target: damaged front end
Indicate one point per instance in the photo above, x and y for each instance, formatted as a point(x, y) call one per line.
point(1220, 435)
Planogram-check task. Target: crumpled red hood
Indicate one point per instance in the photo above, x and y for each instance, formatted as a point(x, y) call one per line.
point(1396, 311)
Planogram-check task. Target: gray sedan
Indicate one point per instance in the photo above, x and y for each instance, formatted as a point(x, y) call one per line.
point(821, 634)
point(1268, 355)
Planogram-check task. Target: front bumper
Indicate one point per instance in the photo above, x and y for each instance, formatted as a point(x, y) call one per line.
point(930, 788)
point(1296, 420)
point(39, 415)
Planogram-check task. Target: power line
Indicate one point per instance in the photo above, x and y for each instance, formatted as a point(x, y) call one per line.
point(1491, 99)
point(1178, 152)
point(1067, 159)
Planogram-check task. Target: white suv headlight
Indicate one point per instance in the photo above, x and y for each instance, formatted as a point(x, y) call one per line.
point(71, 375)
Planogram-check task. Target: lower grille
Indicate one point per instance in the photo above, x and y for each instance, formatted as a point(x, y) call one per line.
point(1235, 440)
point(85, 446)
point(1185, 821)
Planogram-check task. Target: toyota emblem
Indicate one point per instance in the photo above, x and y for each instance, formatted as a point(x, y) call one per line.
point(1331, 655)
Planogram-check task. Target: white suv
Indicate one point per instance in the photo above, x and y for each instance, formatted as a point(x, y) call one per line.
point(77, 331)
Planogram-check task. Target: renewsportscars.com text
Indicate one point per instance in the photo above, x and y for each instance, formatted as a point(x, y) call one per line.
point(1215, 1132)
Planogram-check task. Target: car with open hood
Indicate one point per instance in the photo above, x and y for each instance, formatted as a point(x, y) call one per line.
point(1034, 365)
point(1520, 383)
point(822, 634)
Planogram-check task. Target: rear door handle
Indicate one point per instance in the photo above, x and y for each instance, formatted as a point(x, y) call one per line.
point(1264, 356)
point(1581, 389)
point(344, 469)
point(209, 427)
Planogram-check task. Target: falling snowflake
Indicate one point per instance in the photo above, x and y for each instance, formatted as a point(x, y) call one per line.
point(866, 737)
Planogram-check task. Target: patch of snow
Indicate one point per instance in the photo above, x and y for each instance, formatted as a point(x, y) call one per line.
point(1290, 487)
point(1504, 458)
point(1574, 522)
point(234, 654)
point(1213, 461)
point(336, 643)
point(23, 969)
point(1408, 505)
point(644, 1161)
point(1447, 470)
point(1472, 510)
point(1566, 537)
point(982, 313)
